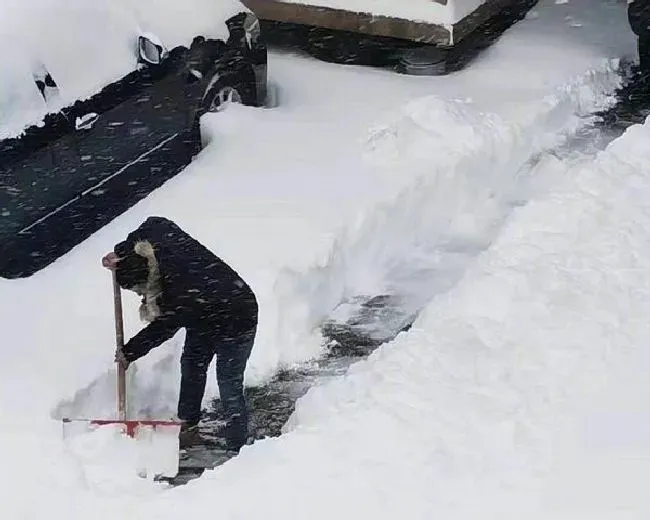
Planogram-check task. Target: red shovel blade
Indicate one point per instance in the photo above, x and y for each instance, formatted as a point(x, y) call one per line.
point(130, 425)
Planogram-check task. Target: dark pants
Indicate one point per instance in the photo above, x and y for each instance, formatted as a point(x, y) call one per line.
point(644, 53)
point(232, 353)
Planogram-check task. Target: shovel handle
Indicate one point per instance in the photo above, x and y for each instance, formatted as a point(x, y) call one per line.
point(119, 343)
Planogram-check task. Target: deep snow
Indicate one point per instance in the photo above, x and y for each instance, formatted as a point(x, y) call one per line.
point(518, 394)
point(471, 401)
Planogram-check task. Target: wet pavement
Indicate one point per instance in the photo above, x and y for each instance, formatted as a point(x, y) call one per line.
point(633, 103)
point(272, 404)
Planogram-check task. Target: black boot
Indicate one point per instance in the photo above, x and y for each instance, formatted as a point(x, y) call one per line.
point(189, 434)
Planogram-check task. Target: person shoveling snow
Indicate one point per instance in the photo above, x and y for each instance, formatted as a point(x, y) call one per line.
point(184, 285)
point(638, 13)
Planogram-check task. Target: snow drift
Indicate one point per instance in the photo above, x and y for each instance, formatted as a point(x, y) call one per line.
point(538, 348)
point(467, 169)
point(517, 393)
point(463, 158)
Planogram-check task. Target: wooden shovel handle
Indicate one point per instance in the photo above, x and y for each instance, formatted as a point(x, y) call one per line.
point(119, 343)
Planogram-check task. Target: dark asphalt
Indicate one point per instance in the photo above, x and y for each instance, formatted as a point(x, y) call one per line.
point(272, 404)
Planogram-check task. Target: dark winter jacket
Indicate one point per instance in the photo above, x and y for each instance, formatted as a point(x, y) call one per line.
point(183, 284)
point(638, 13)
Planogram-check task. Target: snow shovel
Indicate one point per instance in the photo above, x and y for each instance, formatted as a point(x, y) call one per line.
point(159, 438)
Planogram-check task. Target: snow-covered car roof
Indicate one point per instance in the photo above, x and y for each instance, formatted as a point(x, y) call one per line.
point(86, 45)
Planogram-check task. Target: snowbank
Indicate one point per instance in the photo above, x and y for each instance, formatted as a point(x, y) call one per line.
point(517, 393)
point(552, 320)
point(87, 45)
point(420, 241)
point(461, 158)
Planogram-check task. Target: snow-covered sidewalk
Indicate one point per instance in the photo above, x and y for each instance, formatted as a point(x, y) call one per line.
point(274, 191)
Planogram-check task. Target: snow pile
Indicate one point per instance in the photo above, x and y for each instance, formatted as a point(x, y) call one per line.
point(553, 315)
point(124, 460)
point(518, 393)
point(467, 169)
point(462, 159)
point(90, 45)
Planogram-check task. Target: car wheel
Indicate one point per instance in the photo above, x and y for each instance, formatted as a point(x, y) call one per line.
point(221, 97)
point(229, 86)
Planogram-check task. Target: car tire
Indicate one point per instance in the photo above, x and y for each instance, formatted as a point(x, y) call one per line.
point(226, 87)
point(230, 87)
point(220, 98)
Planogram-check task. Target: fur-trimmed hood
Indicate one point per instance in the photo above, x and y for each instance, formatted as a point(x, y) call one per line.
point(182, 285)
point(149, 310)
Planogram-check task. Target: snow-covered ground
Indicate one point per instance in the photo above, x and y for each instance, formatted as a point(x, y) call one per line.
point(518, 390)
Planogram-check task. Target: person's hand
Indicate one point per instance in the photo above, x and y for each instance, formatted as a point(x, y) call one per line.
point(119, 358)
point(110, 261)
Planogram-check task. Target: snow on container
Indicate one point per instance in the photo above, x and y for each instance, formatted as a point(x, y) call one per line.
point(443, 22)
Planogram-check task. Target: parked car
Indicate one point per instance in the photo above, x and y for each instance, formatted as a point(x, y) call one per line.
point(97, 146)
